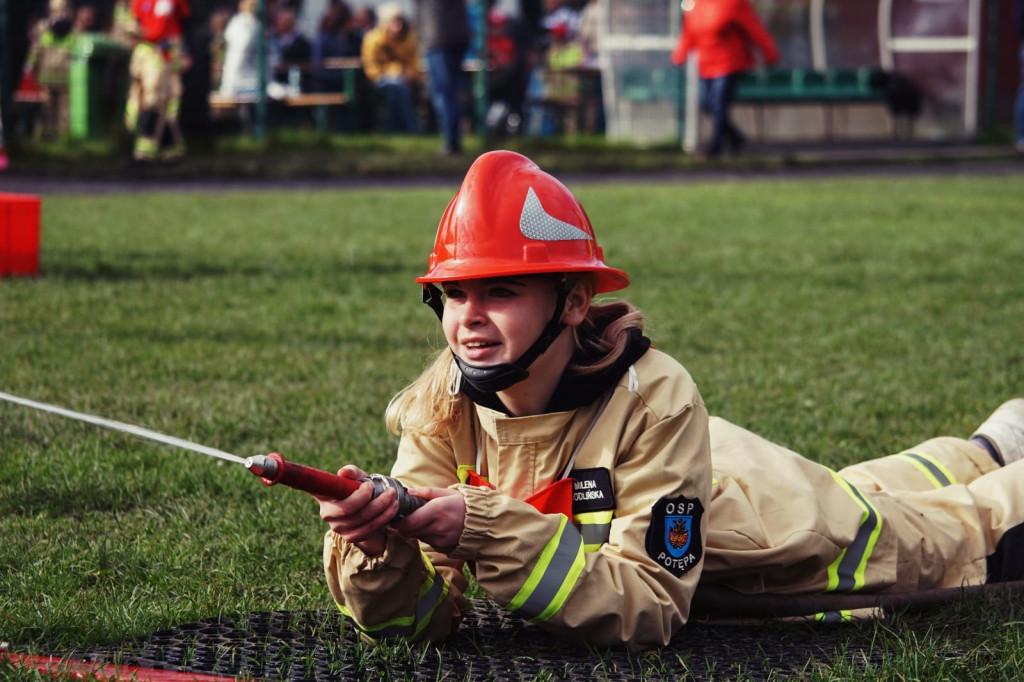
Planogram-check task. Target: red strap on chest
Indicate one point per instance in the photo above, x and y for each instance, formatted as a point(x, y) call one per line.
point(554, 499)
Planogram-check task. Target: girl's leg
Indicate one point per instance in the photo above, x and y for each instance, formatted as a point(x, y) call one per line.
point(947, 461)
point(732, 137)
point(936, 463)
point(717, 107)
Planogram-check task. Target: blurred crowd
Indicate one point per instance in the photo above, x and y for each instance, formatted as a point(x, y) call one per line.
point(401, 67)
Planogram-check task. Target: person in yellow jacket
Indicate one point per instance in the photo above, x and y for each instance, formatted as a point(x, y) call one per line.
point(575, 471)
point(390, 55)
point(155, 69)
point(49, 61)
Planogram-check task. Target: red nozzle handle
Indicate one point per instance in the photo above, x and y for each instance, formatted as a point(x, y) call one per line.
point(273, 469)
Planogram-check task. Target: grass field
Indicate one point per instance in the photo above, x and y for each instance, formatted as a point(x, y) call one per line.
point(845, 319)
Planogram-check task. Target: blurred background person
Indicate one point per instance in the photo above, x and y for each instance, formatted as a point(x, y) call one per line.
point(589, 32)
point(391, 61)
point(364, 18)
point(444, 33)
point(156, 65)
point(123, 26)
point(336, 40)
point(239, 75)
point(217, 44)
point(590, 87)
point(1018, 109)
point(722, 33)
point(85, 20)
point(509, 52)
point(49, 63)
point(290, 50)
point(3, 152)
point(563, 13)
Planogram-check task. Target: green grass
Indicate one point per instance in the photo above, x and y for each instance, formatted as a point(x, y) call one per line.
point(845, 319)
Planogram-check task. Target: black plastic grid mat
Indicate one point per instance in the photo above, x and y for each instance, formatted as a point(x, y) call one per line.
point(490, 645)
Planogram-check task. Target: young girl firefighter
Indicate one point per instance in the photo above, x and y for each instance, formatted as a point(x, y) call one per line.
point(576, 472)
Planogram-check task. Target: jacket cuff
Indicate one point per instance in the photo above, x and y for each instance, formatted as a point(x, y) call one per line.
point(397, 552)
point(479, 518)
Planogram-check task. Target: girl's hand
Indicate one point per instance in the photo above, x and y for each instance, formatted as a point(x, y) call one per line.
point(439, 522)
point(360, 518)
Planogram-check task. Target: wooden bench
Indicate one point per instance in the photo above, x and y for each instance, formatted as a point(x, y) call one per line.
point(318, 101)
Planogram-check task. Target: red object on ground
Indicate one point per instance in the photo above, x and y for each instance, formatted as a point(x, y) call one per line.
point(19, 234)
point(54, 665)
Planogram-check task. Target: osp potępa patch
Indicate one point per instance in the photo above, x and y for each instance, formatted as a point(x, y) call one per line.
point(673, 538)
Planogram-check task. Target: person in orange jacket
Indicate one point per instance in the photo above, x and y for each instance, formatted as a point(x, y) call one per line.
point(722, 33)
point(574, 470)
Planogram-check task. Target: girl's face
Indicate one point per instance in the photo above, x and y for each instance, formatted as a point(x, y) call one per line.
point(490, 321)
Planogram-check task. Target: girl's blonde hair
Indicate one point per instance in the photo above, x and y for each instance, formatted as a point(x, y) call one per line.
point(429, 405)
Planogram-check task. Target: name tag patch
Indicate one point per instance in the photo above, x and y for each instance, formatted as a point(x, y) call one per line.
point(673, 538)
point(591, 490)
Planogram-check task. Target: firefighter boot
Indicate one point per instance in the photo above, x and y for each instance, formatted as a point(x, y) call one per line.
point(1004, 431)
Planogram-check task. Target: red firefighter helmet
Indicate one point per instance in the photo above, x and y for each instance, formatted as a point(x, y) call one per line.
point(511, 218)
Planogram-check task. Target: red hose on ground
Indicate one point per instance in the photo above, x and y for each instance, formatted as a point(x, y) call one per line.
point(54, 665)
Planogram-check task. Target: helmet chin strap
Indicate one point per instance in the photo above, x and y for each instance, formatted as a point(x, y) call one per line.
point(494, 378)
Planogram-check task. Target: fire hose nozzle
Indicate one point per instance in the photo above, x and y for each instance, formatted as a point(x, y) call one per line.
point(273, 469)
point(262, 466)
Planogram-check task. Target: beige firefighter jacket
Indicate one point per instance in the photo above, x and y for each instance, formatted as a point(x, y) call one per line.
point(594, 582)
point(776, 522)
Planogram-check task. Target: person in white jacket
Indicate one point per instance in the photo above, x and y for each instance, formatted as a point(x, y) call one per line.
point(575, 471)
point(240, 76)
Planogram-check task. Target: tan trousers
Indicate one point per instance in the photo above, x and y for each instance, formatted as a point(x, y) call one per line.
point(925, 518)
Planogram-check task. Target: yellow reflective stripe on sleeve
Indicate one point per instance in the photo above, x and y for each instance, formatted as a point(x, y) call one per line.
point(431, 594)
point(553, 577)
point(595, 528)
point(834, 617)
point(932, 469)
point(846, 573)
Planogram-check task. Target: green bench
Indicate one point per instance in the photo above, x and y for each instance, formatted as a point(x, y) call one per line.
point(804, 86)
point(766, 87)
